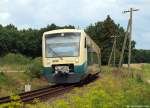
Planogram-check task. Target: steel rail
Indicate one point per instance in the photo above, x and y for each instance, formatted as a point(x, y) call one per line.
point(28, 96)
point(49, 91)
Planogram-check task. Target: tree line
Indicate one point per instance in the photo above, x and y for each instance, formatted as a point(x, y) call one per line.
point(29, 41)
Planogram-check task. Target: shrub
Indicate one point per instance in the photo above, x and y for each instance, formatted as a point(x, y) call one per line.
point(14, 59)
point(35, 67)
point(19, 62)
point(5, 80)
point(15, 103)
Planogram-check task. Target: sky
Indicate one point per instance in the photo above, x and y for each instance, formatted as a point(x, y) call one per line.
point(81, 13)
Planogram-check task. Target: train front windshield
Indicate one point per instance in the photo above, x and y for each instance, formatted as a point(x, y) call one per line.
point(62, 45)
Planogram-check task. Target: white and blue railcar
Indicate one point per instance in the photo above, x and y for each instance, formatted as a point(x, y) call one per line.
point(69, 55)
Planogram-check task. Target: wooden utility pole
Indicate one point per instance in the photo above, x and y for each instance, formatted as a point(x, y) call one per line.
point(114, 63)
point(129, 55)
point(113, 52)
point(124, 44)
point(110, 57)
point(130, 37)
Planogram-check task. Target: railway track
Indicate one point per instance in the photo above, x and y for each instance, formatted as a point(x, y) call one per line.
point(47, 92)
point(41, 94)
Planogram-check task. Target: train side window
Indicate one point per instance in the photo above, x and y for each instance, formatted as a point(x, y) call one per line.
point(85, 43)
point(89, 56)
point(95, 58)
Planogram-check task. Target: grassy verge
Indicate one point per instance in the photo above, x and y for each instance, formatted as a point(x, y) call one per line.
point(114, 89)
point(13, 83)
point(17, 70)
point(12, 62)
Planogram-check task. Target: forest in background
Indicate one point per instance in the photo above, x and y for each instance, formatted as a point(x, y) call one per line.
point(28, 42)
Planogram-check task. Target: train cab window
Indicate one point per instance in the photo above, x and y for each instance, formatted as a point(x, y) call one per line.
point(62, 44)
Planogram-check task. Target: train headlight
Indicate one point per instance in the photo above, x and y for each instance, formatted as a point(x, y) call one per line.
point(48, 63)
point(77, 60)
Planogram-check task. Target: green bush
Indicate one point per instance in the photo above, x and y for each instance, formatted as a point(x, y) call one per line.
point(35, 67)
point(18, 62)
point(5, 80)
point(14, 59)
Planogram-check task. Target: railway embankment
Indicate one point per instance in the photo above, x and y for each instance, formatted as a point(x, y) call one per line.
point(16, 71)
point(113, 89)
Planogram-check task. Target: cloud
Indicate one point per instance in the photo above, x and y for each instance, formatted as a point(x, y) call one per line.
point(39, 13)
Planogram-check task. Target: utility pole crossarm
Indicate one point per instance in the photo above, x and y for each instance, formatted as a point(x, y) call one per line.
point(130, 10)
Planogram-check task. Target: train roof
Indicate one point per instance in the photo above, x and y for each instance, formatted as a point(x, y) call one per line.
point(63, 30)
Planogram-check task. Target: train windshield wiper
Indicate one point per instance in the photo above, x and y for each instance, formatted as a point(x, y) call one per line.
point(55, 53)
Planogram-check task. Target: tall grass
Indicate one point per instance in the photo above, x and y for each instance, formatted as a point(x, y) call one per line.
point(14, 59)
point(35, 67)
point(5, 80)
point(17, 70)
point(19, 63)
point(109, 91)
point(14, 62)
point(114, 89)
